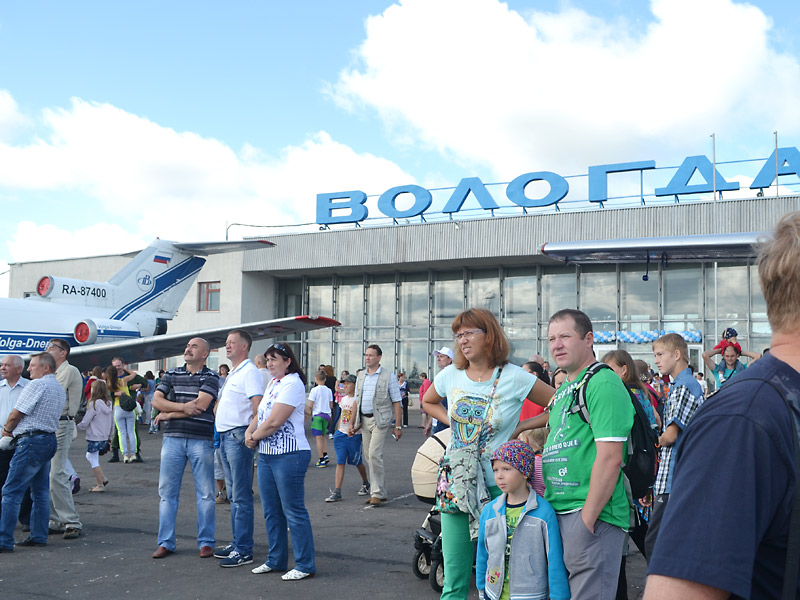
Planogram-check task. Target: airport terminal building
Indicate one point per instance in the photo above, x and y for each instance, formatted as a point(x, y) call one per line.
point(637, 271)
point(401, 285)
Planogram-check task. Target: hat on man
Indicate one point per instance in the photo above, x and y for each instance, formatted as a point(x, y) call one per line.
point(444, 350)
point(350, 378)
point(519, 455)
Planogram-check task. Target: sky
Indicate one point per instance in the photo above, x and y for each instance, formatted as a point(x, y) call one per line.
point(122, 122)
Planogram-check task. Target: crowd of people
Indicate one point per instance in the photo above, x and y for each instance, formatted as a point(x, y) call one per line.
point(540, 473)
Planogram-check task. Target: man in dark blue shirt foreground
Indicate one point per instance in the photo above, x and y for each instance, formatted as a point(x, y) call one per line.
point(724, 533)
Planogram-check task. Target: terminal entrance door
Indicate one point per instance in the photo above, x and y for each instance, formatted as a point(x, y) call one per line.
point(696, 358)
point(600, 350)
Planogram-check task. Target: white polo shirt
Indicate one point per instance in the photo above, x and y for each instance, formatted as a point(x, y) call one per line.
point(235, 407)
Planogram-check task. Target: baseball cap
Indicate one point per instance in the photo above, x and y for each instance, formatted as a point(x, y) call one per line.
point(351, 378)
point(444, 350)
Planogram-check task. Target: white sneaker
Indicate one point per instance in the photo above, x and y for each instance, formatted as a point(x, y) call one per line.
point(265, 568)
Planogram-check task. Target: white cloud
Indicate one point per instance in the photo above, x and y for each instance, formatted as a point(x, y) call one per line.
point(174, 185)
point(44, 242)
point(561, 91)
point(11, 119)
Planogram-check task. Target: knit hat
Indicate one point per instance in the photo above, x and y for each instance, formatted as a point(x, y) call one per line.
point(519, 455)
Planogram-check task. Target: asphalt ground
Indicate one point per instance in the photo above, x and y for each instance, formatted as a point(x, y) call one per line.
point(361, 551)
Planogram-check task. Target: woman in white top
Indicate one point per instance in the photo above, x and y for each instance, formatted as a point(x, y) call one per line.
point(278, 431)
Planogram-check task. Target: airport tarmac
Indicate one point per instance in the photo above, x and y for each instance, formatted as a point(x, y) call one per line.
point(361, 552)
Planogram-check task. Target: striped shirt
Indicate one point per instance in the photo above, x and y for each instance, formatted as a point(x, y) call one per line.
point(185, 387)
point(41, 402)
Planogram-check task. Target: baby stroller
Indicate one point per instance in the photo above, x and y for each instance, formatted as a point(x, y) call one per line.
point(427, 562)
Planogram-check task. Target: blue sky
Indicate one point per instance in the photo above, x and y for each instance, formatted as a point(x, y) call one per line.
point(120, 122)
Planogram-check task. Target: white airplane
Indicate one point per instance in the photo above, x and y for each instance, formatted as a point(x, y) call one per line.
point(127, 315)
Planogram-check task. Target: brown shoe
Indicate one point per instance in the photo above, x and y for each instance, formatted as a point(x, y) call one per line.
point(206, 552)
point(161, 552)
point(375, 501)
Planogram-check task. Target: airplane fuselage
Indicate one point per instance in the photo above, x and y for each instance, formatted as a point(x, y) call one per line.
point(26, 325)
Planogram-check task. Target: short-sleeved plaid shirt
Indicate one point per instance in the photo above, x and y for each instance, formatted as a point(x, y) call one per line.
point(684, 399)
point(41, 402)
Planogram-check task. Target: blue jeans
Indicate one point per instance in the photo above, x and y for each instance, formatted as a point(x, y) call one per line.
point(237, 462)
point(175, 452)
point(30, 467)
point(281, 481)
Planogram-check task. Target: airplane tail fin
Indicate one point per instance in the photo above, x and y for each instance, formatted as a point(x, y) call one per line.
point(159, 277)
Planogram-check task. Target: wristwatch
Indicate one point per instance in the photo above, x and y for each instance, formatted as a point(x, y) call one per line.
point(398, 427)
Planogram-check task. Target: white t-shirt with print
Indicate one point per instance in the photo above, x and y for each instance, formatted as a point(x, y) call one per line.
point(291, 436)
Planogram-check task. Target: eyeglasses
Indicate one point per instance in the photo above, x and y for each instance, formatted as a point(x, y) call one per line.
point(278, 348)
point(468, 334)
point(59, 346)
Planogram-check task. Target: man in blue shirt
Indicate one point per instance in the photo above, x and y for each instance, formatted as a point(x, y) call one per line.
point(725, 531)
point(32, 423)
point(10, 388)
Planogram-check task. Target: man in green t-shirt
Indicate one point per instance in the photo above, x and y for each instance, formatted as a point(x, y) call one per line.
point(581, 462)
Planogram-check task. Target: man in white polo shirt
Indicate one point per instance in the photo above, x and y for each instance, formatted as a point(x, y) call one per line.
point(237, 405)
point(378, 395)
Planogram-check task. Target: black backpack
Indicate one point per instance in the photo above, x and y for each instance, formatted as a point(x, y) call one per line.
point(640, 467)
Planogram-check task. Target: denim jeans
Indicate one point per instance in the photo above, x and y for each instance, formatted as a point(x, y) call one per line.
point(175, 452)
point(281, 481)
point(126, 430)
point(30, 467)
point(237, 462)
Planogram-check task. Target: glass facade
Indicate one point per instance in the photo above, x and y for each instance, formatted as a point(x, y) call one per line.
point(409, 314)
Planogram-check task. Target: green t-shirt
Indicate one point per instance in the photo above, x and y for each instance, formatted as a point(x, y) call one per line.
point(570, 450)
point(513, 513)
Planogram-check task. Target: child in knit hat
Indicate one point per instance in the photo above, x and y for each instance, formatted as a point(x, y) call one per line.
point(513, 560)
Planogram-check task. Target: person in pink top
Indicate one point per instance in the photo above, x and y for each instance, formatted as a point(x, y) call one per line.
point(98, 423)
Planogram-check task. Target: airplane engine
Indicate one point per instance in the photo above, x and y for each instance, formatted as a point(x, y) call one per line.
point(76, 291)
point(90, 331)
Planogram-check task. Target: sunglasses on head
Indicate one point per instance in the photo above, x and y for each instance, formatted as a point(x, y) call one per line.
point(280, 348)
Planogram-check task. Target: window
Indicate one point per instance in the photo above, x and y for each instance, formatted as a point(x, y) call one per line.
point(208, 296)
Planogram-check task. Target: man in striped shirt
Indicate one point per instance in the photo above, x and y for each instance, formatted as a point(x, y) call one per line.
point(185, 398)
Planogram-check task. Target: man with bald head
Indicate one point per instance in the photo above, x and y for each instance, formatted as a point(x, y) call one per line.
point(185, 398)
point(10, 388)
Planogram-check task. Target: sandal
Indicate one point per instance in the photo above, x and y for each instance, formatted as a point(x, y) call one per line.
point(295, 575)
point(98, 488)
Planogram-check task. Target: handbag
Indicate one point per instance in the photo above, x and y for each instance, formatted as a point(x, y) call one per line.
point(126, 402)
point(460, 485)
